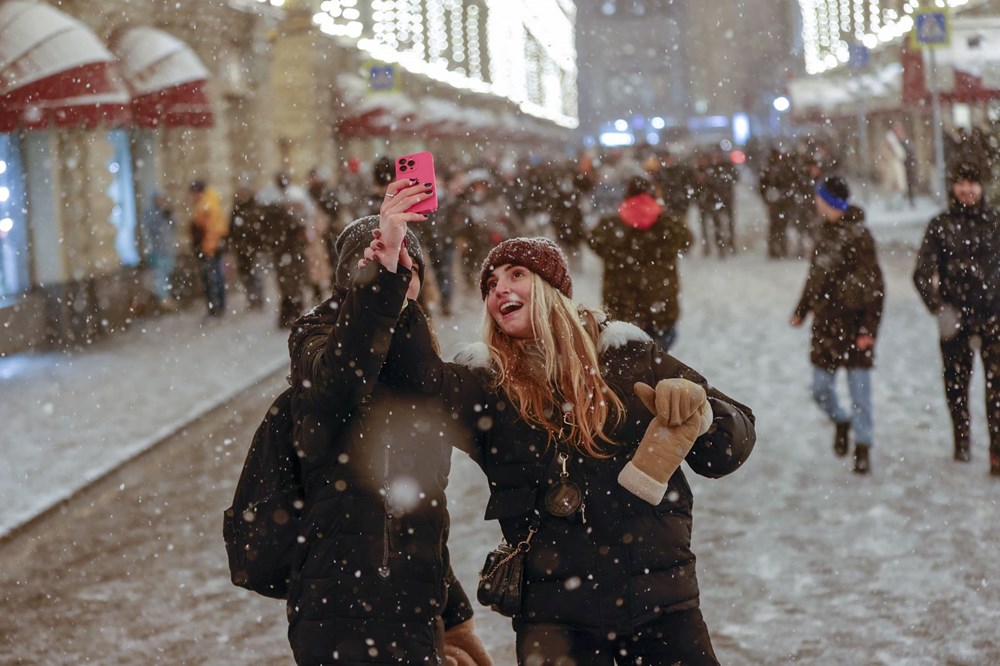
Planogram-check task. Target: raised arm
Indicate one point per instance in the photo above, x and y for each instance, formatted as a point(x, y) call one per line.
point(730, 439)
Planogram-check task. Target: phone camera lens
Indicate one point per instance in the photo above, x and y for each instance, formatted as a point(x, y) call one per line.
point(411, 163)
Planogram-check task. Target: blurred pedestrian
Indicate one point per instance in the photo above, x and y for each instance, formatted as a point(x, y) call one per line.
point(640, 247)
point(284, 229)
point(324, 198)
point(777, 189)
point(958, 277)
point(844, 292)
point(892, 167)
point(161, 250)
point(209, 229)
point(375, 585)
point(247, 242)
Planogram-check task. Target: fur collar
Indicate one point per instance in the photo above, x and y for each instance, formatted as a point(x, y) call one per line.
point(614, 334)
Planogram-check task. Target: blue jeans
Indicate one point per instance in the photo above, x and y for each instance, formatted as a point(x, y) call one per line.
point(215, 284)
point(824, 392)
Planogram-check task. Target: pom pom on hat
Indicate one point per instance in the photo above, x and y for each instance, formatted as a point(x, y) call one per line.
point(539, 255)
point(351, 244)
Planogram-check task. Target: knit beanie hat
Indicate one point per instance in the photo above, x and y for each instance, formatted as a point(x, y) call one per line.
point(539, 255)
point(966, 171)
point(351, 244)
point(835, 192)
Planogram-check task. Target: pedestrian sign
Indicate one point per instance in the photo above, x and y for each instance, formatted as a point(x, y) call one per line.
point(382, 77)
point(931, 28)
point(859, 55)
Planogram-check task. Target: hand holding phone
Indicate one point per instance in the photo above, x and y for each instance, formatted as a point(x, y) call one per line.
point(419, 167)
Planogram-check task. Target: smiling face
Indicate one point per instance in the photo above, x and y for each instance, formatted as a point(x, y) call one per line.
point(508, 300)
point(967, 192)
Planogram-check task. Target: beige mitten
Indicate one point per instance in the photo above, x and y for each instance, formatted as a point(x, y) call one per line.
point(681, 414)
point(462, 646)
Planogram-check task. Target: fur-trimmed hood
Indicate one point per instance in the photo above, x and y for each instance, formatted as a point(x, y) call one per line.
point(613, 334)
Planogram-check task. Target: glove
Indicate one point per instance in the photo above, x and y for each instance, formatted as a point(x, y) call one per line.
point(462, 646)
point(664, 446)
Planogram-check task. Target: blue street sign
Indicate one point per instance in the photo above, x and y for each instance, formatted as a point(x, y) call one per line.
point(931, 28)
point(859, 55)
point(382, 77)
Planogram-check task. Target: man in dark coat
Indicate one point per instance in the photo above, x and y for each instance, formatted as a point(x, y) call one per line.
point(246, 235)
point(844, 292)
point(640, 247)
point(374, 583)
point(958, 277)
point(777, 189)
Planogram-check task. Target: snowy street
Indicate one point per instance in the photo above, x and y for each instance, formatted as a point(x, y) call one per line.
point(800, 561)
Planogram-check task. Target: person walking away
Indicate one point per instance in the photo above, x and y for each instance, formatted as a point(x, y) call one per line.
point(892, 165)
point(209, 229)
point(285, 237)
point(776, 186)
point(639, 248)
point(324, 198)
point(552, 396)
point(246, 239)
point(958, 277)
point(375, 585)
point(844, 292)
point(161, 251)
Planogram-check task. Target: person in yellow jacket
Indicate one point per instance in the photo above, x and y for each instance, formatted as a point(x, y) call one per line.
point(209, 228)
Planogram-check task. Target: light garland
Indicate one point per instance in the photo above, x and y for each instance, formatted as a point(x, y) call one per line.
point(869, 22)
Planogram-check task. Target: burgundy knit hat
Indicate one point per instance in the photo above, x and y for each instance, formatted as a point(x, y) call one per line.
point(539, 255)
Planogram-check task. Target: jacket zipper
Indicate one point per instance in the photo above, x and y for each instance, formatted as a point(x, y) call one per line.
point(383, 570)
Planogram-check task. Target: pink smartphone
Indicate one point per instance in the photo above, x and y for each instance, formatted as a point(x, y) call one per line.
point(421, 167)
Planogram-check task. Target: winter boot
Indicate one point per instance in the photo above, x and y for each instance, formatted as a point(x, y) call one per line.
point(994, 464)
point(963, 452)
point(862, 465)
point(840, 441)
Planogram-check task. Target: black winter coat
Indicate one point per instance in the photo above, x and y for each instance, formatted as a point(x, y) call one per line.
point(375, 576)
point(959, 263)
point(844, 292)
point(641, 282)
point(619, 562)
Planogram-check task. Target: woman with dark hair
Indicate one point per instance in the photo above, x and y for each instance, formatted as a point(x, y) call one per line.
point(559, 400)
point(640, 246)
point(374, 583)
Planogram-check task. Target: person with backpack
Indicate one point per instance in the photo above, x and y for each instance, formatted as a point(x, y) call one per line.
point(372, 580)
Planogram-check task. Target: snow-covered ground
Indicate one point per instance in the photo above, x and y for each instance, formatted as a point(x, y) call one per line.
point(799, 559)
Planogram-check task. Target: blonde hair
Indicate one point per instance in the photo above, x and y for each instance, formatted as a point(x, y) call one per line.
point(554, 380)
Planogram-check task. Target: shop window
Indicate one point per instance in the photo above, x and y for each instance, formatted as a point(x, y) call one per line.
point(14, 276)
point(122, 194)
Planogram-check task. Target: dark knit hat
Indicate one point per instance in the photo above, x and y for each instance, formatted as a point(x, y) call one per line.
point(539, 255)
point(351, 244)
point(966, 171)
point(835, 192)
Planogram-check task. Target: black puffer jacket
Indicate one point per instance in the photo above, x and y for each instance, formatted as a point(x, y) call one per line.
point(375, 576)
point(641, 281)
point(844, 292)
point(630, 561)
point(961, 249)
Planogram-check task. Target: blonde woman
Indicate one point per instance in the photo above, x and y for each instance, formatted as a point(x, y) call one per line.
point(609, 577)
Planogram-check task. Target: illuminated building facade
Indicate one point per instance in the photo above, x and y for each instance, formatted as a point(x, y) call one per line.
point(829, 27)
point(523, 50)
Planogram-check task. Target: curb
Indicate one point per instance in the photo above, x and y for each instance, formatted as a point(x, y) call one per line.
point(271, 372)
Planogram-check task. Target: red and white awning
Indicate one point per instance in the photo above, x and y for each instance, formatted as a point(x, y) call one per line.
point(166, 77)
point(55, 72)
